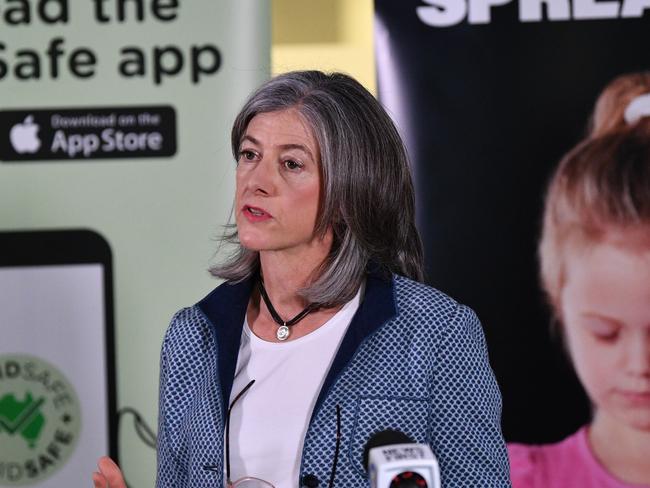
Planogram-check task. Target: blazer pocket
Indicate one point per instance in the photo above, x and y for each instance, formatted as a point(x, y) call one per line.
point(375, 414)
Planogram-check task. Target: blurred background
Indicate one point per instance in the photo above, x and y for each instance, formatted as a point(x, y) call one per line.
point(487, 102)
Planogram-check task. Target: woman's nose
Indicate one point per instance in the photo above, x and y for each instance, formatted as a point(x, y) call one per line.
point(261, 178)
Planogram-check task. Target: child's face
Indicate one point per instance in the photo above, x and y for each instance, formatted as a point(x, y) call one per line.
point(605, 306)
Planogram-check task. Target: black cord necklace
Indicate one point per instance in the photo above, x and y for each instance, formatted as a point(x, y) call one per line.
point(283, 330)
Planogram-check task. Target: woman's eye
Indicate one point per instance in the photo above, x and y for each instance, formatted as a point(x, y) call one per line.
point(292, 165)
point(246, 155)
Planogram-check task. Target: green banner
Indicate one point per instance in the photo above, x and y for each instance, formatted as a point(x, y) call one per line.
point(115, 117)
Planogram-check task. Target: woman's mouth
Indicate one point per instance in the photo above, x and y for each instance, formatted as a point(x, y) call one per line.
point(255, 214)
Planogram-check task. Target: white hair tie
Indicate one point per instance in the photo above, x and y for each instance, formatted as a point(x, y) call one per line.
point(638, 108)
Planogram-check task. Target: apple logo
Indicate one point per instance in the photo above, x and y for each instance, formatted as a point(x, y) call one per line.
point(23, 136)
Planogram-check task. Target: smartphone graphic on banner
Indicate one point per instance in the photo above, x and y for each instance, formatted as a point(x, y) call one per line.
point(57, 370)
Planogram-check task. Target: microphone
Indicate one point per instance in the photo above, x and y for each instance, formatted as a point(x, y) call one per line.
point(393, 460)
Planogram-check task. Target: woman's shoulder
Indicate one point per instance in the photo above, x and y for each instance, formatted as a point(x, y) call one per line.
point(547, 465)
point(189, 333)
point(421, 302)
point(413, 295)
point(194, 322)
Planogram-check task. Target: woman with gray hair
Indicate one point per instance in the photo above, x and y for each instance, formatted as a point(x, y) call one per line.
point(323, 333)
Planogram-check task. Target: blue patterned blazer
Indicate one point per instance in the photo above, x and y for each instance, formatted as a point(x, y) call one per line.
point(412, 360)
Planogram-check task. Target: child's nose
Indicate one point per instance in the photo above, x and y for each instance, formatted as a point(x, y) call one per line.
point(637, 354)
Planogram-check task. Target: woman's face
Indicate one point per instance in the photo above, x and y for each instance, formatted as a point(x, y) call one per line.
point(605, 306)
point(278, 183)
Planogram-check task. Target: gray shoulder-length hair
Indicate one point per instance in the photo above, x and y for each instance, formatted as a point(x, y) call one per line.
point(367, 195)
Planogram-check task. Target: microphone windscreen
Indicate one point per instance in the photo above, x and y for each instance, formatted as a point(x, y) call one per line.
point(384, 438)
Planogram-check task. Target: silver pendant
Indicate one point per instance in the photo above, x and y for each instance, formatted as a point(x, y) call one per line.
point(282, 333)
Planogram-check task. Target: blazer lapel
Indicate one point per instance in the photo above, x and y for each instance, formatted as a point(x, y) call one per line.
point(377, 308)
point(225, 308)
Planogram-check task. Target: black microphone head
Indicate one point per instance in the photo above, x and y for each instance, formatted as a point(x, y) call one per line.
point(384, 438)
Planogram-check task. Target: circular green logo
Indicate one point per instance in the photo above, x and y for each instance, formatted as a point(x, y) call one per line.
point(40, 419)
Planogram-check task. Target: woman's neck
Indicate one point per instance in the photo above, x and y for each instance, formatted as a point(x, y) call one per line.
point(285, 274)
point(622, 449)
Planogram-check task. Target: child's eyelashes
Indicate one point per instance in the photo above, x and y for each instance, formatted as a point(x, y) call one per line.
point(607, 337)
point(604, 330)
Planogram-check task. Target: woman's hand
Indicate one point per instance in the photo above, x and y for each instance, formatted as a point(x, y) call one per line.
point(109, 474)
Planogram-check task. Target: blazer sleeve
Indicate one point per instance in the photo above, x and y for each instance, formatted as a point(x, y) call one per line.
point(170, 472)
point(465, 416)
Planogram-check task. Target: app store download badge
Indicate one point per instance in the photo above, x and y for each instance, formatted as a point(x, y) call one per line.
point(87, 133)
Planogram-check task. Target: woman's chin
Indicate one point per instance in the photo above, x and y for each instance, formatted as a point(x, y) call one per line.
point(253, 244)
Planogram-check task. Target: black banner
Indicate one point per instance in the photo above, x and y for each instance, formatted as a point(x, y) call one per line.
point(489, 94)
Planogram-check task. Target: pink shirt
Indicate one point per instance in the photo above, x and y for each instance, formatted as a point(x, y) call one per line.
point(566, 464)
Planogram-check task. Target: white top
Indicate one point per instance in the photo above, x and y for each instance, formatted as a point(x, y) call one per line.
point(268, 424)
